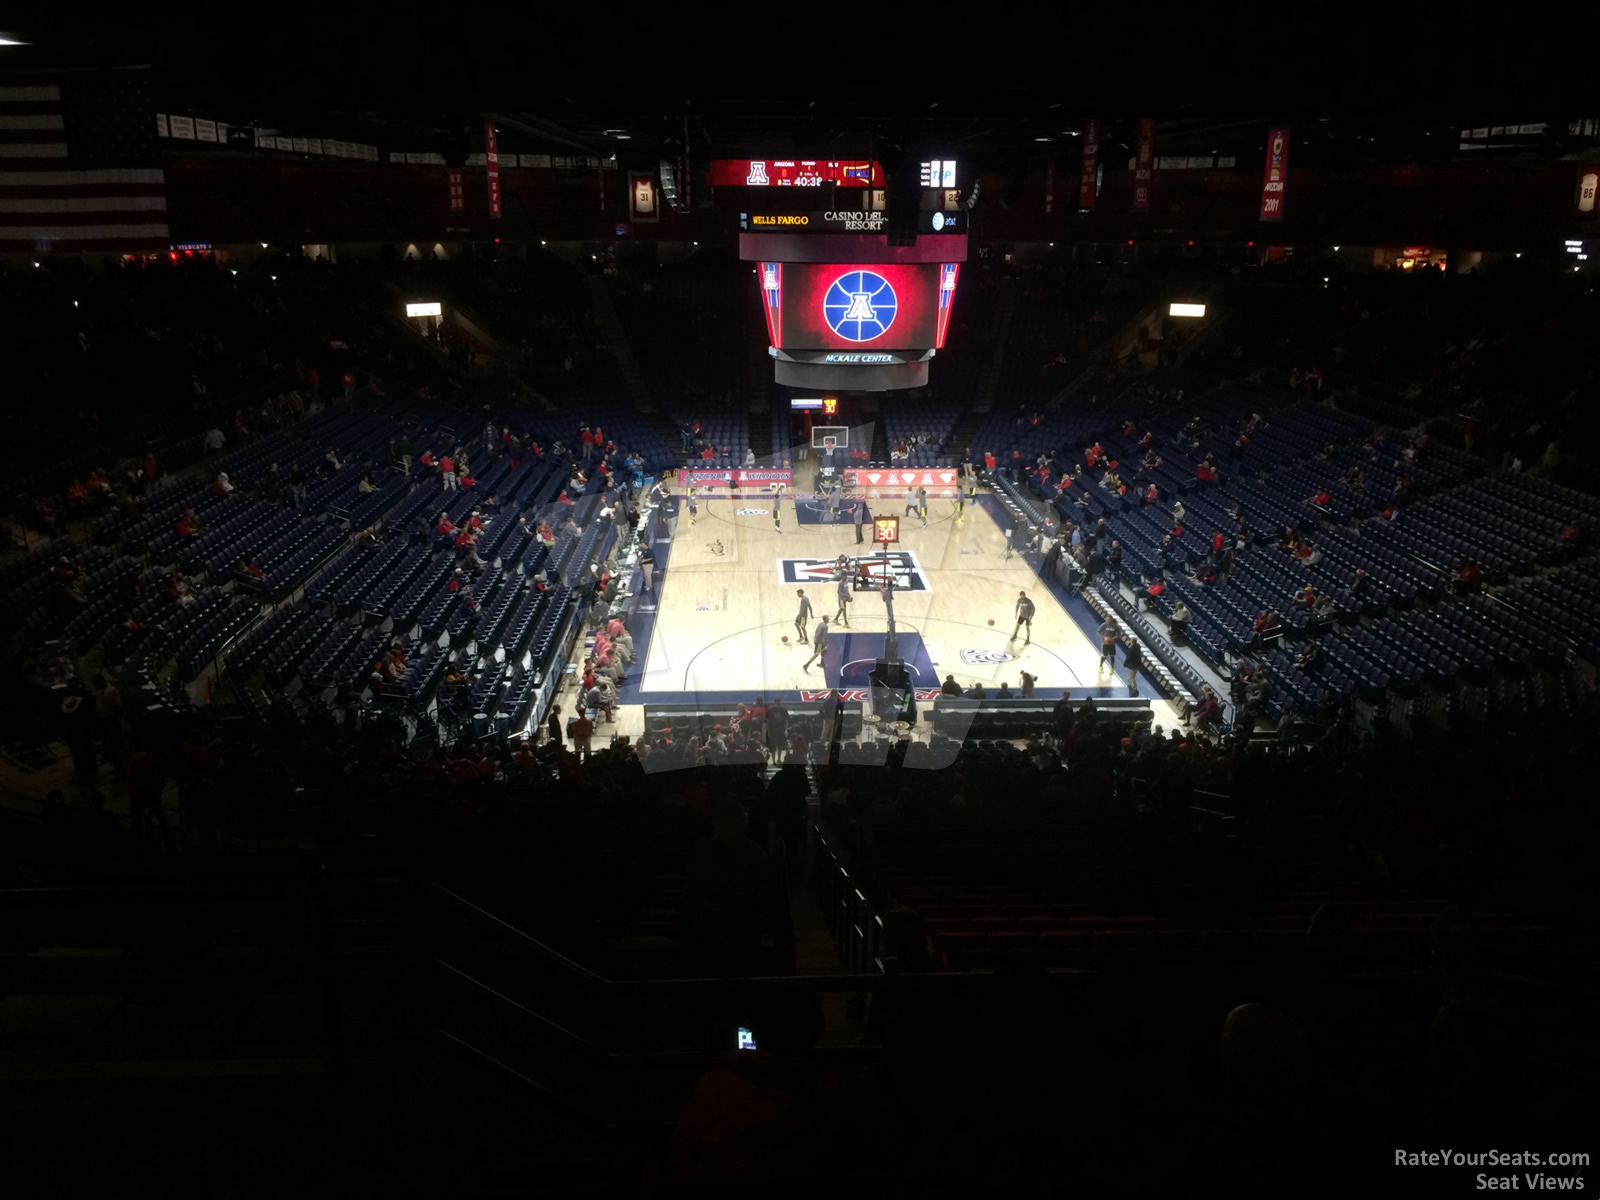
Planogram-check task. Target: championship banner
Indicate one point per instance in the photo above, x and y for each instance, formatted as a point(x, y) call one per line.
point(893, 478)
point(458, 198)
point(491, 160)
point(1277, 175)
point(1143, 163)
point(1091, 164)
point(754, 477)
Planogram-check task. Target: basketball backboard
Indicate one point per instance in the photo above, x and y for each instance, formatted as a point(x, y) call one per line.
point(839, 433)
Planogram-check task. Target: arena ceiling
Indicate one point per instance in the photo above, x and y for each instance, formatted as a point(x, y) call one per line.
point(1213, 90)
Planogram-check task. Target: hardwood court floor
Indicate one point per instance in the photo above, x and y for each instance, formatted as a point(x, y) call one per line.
point(724, 606)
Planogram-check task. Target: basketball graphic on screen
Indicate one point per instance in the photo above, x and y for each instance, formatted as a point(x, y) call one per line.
point(859, 306)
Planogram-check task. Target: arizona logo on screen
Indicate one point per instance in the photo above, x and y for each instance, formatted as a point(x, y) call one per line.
point(859, 306)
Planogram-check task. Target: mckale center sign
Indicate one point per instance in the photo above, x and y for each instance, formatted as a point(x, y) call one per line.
point(854, 358)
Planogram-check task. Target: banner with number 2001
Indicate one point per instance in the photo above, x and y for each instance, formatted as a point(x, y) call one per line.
point(1274, 186)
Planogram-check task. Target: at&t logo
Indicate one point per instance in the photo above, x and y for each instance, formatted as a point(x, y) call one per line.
point(859, 306)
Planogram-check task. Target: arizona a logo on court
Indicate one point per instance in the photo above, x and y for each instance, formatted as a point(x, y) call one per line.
point(901, 564)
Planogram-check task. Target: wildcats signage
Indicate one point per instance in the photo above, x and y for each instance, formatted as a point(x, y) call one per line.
point(744, 478)
point(859, 695)
point(902, 564)
point(1277, 175)
point(921, 477)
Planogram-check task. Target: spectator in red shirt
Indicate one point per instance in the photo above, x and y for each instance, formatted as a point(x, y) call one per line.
point(1266, 625)
point(444, 527)
point(189, 525)
point(1217, 540)
point(580, 729)
point(77, 494)
point(1469, 577)
point(1205, 473)
point(988, 461)
point(1323, 498)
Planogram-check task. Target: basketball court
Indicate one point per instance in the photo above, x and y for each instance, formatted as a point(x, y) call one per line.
point(722, 626)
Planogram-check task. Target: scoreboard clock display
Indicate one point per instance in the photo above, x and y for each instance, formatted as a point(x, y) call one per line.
point(885, 530)
point(795, 172)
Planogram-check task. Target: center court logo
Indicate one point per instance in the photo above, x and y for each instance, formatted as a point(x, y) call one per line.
point(860, 306)
point(902, 564)
point(980, 658)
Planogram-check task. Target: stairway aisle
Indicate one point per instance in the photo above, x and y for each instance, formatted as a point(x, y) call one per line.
point(999, 335)
point(617, 336)
point(814, 954)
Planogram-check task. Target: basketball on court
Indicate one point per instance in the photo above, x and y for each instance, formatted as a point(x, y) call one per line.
point(786, 636)
point(991, 620)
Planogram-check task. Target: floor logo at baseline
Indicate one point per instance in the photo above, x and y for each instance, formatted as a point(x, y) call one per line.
point(902, 564)
point(976, 658)
point(752, 512)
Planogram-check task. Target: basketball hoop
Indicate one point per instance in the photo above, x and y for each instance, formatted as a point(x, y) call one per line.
point(829, 444)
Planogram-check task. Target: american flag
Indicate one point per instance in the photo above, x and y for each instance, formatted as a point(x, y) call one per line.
point(80, 168)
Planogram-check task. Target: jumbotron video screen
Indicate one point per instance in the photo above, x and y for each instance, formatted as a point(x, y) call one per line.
point(831, 306)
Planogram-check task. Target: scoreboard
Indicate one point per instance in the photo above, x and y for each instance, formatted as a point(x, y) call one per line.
point(795, 172)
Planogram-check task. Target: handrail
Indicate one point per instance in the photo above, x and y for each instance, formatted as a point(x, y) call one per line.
point(566, 1106)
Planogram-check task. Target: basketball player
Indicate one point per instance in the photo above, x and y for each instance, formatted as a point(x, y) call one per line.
point(860, 515)
point(1024, 618)
point(694, 507)
point(922, 505)
point(777, 508)
point(803, 615)
point(843, 615)
point(819, 637)
point(911, 503)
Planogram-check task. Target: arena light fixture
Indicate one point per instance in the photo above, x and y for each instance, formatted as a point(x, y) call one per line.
point(263, 245)
point(1180, 309)
point(428, 308)
point(7, 40)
